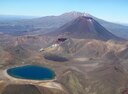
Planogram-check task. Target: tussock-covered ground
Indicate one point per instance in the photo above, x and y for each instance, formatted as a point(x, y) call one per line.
point(92, 66)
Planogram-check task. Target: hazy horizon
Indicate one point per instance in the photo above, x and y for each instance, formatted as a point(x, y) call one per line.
point(110, 10)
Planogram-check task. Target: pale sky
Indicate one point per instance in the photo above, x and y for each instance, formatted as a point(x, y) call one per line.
point(111, 10)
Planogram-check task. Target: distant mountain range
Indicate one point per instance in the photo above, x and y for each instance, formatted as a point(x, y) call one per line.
point(8, 18)
point(51, 23)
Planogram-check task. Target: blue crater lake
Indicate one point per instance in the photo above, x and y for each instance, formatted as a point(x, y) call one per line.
point(32, 72)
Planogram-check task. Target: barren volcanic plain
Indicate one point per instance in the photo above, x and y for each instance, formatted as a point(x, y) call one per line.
point(85, 56)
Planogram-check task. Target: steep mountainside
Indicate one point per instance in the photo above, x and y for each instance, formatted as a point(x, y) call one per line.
point(84, 27)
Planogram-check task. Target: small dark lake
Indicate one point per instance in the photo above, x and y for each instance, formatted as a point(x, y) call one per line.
point(32, 72)
point(56, 58)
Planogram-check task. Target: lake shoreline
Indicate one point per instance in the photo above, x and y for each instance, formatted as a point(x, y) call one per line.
point(24, 80)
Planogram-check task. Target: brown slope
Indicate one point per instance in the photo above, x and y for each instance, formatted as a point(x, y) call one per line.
point(123, 54)
point(29, 89)
point(21, 89)
point(84, 27)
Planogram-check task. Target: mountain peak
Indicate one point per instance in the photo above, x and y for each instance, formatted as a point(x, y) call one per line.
point(82, 18)
point(75, 13)
point(85, 27)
